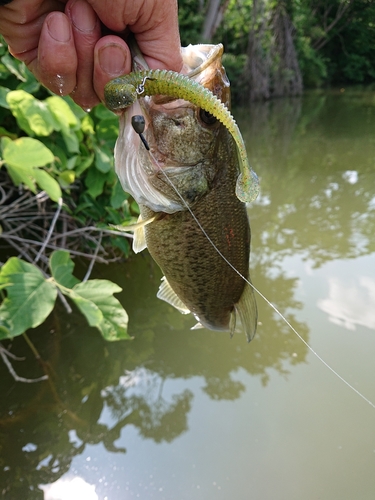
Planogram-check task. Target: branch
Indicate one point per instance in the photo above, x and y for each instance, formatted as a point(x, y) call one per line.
point(50, 231)
point(4, 355)
point(342, 9)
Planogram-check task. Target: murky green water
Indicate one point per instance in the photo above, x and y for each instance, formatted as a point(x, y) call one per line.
point(192, 415)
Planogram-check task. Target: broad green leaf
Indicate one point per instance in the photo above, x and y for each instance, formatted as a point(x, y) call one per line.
point(77, 110)
point(114, 323)
point(30, 297)
point(62, 266)
point(32, 115)
point(21, 175)
point(66, 120)
point(62, 112)
point(4, 141)
point(103, 159)
point(46, 182)
point(88, 308)
point(26, 152)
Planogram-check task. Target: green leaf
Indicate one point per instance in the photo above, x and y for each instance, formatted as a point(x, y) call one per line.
point(95, 181)
point(26, 153)
point(83, 163)
point(32, 115)
point(6, 133)
point(66, 121)
point(46, 182)
point(62, 266)
point(62, 112)
point(103, 159)
point(3, 93)
point(118, 195)
point(104, 113)
point(114, 322)
point(107, 132)
point(30, 297)
point(21, 175)
point(14, 66)
point(87, 125)
point(90, 310)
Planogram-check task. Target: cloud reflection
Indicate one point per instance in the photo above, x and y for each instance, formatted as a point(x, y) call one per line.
point(69, 489)
point(353, 305)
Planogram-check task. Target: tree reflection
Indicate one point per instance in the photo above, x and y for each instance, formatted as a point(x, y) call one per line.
point(318, 174)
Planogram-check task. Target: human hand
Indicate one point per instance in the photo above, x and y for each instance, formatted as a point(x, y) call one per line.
point(63, 44)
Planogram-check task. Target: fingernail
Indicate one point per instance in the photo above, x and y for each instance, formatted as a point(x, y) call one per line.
point(112, 59)
point(59, 27)
point(83, 16)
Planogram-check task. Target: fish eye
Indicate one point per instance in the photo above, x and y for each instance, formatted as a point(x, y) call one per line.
point(207, 117)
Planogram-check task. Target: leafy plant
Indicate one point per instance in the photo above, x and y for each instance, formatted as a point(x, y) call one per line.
point(31, 296)
point(58, 192)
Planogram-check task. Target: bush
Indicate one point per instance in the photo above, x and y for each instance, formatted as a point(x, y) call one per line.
point(58, 191)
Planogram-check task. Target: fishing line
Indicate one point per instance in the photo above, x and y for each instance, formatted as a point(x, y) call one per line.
point(332, 370)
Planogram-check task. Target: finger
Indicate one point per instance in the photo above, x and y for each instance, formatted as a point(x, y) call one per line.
point(86, 31)
point(112, 59)
point(56, 63)
point(158, 35)
point(155, 23)
point(21, 23)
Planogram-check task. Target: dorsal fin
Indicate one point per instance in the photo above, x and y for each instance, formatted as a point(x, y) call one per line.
point(166, 293)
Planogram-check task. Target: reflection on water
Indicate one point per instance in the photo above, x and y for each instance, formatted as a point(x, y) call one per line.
point(350, 304)
point(188, 414)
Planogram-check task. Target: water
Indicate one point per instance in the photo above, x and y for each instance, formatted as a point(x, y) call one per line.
point(180, 414)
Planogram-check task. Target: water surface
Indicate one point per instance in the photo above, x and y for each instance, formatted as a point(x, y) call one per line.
point(195, 415)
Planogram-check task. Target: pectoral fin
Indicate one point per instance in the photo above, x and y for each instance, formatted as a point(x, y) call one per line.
point(247, 310)
point(166, 293)
point(139, 241)
point(139, 224)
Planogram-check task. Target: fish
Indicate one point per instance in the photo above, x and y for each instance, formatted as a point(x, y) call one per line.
point(191, 182)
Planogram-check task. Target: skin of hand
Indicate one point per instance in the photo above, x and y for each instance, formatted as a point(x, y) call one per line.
point(66, 45)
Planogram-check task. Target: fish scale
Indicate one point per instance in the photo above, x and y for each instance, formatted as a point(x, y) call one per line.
point(195, 271)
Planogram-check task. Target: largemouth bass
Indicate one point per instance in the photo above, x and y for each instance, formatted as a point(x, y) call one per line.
point(194, 225)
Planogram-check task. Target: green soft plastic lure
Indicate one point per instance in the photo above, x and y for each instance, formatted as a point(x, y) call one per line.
point(122, 92)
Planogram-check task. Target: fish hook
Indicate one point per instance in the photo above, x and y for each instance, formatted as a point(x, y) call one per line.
point(138, 124)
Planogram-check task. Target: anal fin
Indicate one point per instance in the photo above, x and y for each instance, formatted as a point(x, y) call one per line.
point(167, 294)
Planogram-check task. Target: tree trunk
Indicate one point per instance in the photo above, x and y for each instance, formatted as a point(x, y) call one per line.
point(215, 13)
point(286, 76)
point(272, 68)
point(257, 69)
